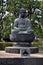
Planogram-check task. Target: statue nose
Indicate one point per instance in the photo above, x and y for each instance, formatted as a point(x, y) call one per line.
point(22, 13)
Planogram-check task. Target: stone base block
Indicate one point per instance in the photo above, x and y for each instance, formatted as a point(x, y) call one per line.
point(21, 61)
point(17, 49)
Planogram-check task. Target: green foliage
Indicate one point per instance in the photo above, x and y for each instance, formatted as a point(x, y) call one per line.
point(5, 44)
point(7, 25)
point(13, 6)
point(36, 44)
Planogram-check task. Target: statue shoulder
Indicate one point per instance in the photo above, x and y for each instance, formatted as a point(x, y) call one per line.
point(28, 20)
point(16, 20)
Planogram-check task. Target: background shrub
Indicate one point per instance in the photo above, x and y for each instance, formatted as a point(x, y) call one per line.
point(5, 44)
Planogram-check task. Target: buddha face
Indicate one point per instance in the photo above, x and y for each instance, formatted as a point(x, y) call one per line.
point(22, 13)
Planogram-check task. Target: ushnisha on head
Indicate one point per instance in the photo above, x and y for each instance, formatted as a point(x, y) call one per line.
point(22, 13)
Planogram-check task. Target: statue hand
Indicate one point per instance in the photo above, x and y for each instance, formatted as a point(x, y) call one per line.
point(22, 31)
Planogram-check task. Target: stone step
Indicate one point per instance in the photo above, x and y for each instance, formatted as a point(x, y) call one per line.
point(21, 61)
point(17, 49)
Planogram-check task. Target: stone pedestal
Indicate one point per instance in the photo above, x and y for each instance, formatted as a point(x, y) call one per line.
point(25, 52)
point(23, 44)
point(17, 49)
point(22, 37)
point(21, 61)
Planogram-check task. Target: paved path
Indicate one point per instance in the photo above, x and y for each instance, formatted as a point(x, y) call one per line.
point(3, 54)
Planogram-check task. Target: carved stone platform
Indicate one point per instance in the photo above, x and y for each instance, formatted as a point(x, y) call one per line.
point(22, 37)
point(17, 49)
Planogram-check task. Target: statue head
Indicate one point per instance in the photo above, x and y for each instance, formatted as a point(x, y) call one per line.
point(22, 13)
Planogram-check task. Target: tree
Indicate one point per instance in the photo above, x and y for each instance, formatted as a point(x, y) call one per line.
point(13, 6)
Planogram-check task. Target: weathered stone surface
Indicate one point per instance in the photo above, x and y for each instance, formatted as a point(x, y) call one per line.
point(17, 49)
point(22, 37)
point(21, 61)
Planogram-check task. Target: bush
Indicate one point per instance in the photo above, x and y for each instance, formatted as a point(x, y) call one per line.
point(5, 44)
point(37, 44)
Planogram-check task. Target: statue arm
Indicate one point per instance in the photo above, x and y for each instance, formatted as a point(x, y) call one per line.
point(29, 26)
point(15, 23)
point(16, 28)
